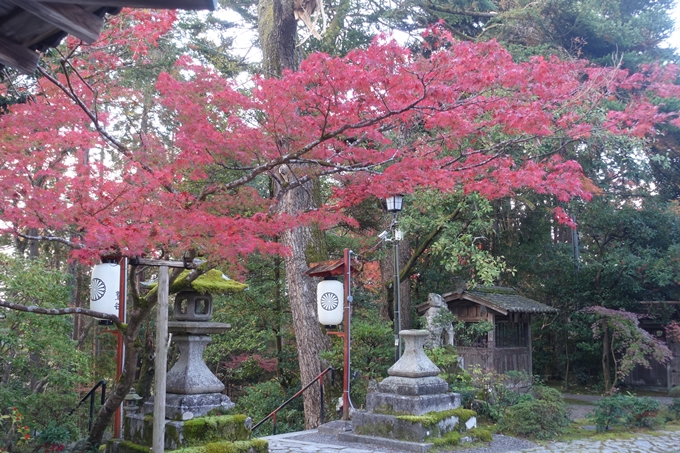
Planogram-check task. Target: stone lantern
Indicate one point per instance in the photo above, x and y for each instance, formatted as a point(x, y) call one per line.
point(192, 390)
point(131, 401)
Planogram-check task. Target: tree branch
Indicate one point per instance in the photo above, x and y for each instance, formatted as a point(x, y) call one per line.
point(47, 238)
point(426, 243)
point(62, 311)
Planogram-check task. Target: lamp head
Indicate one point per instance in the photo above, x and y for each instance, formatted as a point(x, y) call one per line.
point(394, 203)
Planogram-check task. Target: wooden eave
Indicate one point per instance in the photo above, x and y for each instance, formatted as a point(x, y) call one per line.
point(31, 26)
point(457, 298)
point(666, 302)
point(329, 268)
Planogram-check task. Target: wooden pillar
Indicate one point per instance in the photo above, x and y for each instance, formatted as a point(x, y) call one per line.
point(161, 362)
point(530, 348)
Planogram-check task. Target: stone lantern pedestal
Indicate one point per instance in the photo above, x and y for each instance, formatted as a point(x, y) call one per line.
point(411, 405)
point(192, 390)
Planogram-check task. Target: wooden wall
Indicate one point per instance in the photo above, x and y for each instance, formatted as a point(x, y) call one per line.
point(498, 359)
point(658, 376)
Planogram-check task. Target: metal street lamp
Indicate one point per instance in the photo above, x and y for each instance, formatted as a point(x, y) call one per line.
point(394, 205)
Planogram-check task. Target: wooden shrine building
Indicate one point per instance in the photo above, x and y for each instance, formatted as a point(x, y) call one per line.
point(31, 26)
point(508, 345)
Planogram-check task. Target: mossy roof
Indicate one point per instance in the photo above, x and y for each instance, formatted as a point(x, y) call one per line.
point(502, 298)
point(213, 282)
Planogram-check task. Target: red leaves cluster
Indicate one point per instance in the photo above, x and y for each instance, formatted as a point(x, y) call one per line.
point(378, 121)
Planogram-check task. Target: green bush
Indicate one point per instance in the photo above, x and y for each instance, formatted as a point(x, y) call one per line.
point(674, 409)
point(644, 412)
point(446, 360)
point(626, 411)
point(540, 415)
point(674, 392)
point(541, 392)
point(261, 399)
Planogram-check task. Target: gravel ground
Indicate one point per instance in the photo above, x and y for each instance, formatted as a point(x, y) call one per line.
point(499, 444)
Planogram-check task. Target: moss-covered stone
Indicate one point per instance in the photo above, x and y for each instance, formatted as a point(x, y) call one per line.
point(131, 447)
point(433, 418)
point(241, 446)
point(172, 436)
point(213, 282)
point(450, 438)
point(203, 430)
point(247, 446)
point(480, 434)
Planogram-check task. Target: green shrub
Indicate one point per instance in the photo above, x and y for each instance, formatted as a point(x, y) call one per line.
point(674, 409)
point(644, 412)
point(261, 399)
point(535, 418)
point(626, 411)
point(446, 360)
point(674, 392)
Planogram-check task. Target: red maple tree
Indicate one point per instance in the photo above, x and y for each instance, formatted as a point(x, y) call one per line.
point(457, 116)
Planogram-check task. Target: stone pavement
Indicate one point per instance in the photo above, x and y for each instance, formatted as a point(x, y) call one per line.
point(663, 442)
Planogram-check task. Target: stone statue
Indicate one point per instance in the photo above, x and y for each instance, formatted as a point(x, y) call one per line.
point(441, 334)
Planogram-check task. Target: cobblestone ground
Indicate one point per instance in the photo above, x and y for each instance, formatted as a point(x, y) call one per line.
point(664, 442)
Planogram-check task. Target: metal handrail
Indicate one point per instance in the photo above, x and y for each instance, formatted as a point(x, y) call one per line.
point(318, 379)
point(90, 395)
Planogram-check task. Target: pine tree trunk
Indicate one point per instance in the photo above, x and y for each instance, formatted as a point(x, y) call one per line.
point(302, 295)
point(277, 27)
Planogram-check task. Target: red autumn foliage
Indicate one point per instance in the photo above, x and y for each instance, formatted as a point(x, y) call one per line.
point(378, 121)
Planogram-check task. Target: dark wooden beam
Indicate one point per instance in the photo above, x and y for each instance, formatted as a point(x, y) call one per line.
point(667, 302)
point(18, 57)
point(155, 4)
point(71, 18)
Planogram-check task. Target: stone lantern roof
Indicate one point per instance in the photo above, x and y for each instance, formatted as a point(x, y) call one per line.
point(213, 282)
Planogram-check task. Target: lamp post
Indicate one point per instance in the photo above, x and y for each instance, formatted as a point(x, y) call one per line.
point(394, 205)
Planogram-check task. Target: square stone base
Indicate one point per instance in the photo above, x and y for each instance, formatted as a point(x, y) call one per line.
point(186, 407)
point(390, 403)
point(392, 427)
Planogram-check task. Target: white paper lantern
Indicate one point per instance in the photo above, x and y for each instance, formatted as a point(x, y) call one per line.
point(329, 302)
point(105, 288)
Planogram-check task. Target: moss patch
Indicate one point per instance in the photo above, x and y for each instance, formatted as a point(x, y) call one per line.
point(203, 430)
point(213, 282)
point(131, 447)
point(451, 438)
point(432, 418)
point(244, 446)
point(480, 434)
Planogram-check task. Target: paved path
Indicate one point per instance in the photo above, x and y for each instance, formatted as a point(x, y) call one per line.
point(664, 442)
point(667, 442)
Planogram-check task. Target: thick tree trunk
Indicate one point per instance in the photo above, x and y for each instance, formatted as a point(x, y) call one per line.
point(302, 294)
point(277, 28)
